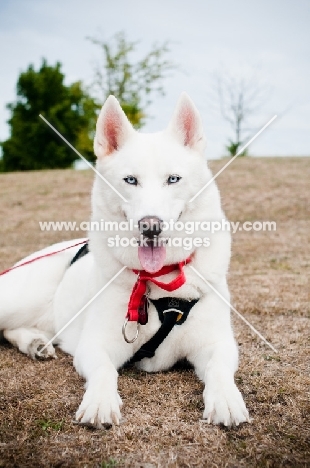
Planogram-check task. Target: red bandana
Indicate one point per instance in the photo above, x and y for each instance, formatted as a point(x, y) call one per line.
point(136, 307)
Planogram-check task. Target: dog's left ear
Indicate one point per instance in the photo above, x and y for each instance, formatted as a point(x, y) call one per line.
point(113, 128)
point(186, 124)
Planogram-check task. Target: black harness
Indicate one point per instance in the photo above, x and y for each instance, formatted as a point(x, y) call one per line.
point(80, 253)
point(171, 311)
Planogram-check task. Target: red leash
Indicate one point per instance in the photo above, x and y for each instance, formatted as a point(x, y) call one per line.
point(42, 256)
point(137, 302)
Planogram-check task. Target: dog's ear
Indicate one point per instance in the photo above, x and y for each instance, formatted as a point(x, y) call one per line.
point(186, 124)
point(112, 129)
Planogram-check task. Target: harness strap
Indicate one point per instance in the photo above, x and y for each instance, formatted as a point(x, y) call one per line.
point(84, 250)
point(171, 312)
point(148, 349)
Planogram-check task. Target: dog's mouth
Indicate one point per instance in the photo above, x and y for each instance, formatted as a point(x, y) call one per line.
point(152, 254)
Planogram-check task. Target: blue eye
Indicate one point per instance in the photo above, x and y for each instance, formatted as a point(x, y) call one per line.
point(131, 180)
point(173, 179)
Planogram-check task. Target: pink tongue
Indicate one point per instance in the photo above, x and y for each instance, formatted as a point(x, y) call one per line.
point(152, 258)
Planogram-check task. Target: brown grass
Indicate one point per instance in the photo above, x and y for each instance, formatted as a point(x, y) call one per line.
point(162, 428)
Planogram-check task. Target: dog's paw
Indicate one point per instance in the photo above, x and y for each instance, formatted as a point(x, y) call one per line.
point(225, 406)
point(99, 409)
point(36, 351)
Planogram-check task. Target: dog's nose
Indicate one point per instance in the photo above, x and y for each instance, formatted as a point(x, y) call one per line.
point(150, 226)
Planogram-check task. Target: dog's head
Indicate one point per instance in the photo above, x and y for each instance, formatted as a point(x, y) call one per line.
point(157, 174)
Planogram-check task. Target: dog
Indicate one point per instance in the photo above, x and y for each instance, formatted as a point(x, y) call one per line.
point(138, 292)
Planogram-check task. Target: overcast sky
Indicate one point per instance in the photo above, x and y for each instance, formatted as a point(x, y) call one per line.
point(268, 38)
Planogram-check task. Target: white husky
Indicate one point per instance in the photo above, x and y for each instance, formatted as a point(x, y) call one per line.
point(158, 174)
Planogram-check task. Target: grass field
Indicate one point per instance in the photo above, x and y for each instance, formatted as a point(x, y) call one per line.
point(269, 282)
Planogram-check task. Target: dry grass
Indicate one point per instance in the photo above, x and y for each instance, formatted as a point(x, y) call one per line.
point(162, 428)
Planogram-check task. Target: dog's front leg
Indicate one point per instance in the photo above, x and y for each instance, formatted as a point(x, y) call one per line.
point(97, 357)
point(223, 400)
point(215, 357)
point(101, 402)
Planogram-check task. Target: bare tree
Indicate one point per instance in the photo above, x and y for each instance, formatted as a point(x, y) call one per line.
point(238, 98)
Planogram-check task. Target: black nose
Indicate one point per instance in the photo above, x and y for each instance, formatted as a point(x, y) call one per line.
point(150, 226)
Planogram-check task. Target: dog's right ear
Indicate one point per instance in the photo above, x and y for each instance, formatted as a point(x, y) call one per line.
point(112, 129)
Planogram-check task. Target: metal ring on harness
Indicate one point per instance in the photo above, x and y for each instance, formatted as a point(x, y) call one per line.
point(124, 332)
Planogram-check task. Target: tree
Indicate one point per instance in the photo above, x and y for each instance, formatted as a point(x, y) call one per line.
point(238, 98)
point(131, 82)
point(32, 144)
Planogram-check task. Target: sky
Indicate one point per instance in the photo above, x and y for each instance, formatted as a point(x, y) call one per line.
point(267, 40)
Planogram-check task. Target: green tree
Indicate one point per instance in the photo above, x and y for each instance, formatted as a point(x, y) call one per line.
point(131, 81)
point(32, 144)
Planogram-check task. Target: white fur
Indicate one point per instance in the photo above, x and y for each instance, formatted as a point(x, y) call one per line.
point(38, 299)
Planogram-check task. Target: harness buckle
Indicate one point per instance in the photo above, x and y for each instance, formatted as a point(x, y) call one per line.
point(124, 332)
point(179, 312)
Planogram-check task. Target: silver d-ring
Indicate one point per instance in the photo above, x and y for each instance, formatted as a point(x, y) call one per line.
point(124, 332)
